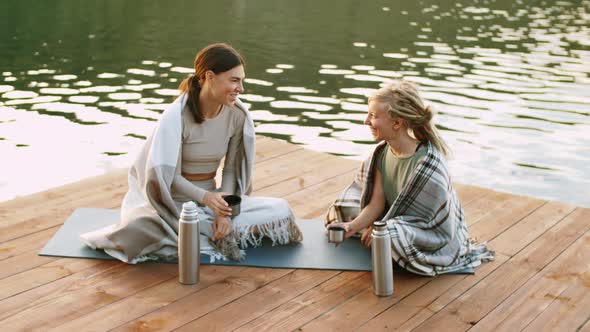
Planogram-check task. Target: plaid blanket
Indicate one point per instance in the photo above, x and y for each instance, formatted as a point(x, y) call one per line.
point(426, 221)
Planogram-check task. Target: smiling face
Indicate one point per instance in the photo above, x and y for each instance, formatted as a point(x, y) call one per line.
point(226, 86)
point(381, 125)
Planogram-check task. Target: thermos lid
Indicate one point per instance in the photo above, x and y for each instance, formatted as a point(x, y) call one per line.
point(190, 205)
point(189, 211)
point(379, 225)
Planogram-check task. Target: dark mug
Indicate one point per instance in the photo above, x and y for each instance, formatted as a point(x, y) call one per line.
point(234, 201)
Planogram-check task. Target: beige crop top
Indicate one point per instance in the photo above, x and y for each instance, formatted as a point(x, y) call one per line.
point(204, 145)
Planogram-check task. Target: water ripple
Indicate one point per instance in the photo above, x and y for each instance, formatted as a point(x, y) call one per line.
point(286, 104)
point(509, 81)
point(59, 91)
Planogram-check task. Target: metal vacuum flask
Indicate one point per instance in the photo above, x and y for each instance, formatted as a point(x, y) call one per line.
point(189, 252)
point(382, 261)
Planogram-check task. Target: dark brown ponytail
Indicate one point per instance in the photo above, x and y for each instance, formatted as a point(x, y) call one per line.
point(192, 88)
point(217, 58)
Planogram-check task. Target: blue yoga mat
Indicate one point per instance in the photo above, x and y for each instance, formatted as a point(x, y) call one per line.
point(314, 252)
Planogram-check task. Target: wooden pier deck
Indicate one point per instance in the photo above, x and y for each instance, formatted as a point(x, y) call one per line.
point(540, 279)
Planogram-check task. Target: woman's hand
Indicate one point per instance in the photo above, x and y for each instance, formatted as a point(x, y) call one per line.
point(222, 226)
point(366, 238)
point(215, 201)
point(348, 228)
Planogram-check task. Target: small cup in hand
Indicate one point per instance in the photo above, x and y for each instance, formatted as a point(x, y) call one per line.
point(336, 234)
point(234, 202)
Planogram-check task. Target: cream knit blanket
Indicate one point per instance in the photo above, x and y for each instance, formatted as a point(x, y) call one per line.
point(149, 216)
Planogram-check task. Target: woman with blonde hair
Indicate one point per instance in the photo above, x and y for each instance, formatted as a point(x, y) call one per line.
point(405, 182)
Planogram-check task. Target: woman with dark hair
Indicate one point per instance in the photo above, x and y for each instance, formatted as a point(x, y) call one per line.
point(405, 182)
point(178, 163)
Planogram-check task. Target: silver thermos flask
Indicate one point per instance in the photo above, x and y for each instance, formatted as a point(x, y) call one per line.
point(189, 252)
point(382, 261)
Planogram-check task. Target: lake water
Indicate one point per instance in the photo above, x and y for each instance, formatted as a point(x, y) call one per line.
point(82, 83)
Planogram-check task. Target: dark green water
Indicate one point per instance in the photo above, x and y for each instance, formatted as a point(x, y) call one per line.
point(82, 84)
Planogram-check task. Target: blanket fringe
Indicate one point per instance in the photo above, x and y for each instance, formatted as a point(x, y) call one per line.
point(154, 258)
point(480, 251)
point(214, 255)
point(228, 248)
point(280, 231)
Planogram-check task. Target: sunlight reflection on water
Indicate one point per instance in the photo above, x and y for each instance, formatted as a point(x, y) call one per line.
point(513, 102)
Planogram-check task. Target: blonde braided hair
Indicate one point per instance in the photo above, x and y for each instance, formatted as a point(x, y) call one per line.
point(403, 101)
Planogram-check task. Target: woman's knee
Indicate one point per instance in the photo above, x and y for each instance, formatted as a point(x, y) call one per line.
point(281, 203)
point(274, 202)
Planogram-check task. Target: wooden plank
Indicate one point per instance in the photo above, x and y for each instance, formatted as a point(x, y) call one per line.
point(297, 181)
point(441, 302)
point(414, 310)
point(49, 206)
point(282, 167)
point(35, 240)
point(197, 304)
point(57, 194)
point(267, 149)
point(12, 251)
point(350, 314)
point(21, 245)
point(23, 262)
point(415, 305)
point(148, 300)
point(503, 217)
point(315, 302)
point(418, 306)
point(56, 215)
point(468, 194)
point(531, 227)
point(44, 274)
point(570, 310)
point(547, 288)
point(483, 206)
point(260, 301)
point(24, 300)
point(36, 217)
point(313, 202)
point(88, 295)
point(478, 301)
